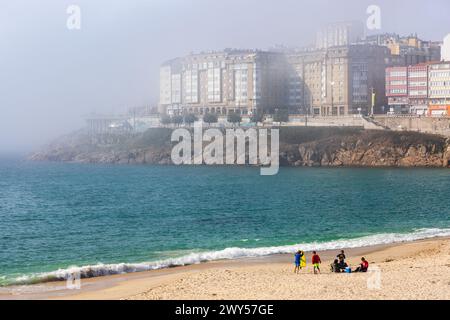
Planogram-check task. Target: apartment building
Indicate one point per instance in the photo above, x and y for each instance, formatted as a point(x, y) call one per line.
point(335, 81)
point(241, 81)
point(338, 80)
point(343, 75)
point(418, 88)
point(406, 50)
point(397, 89)
point(422, 89)
point(439, 89)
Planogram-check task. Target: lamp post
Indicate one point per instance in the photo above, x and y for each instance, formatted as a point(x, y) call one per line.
point(372, 102)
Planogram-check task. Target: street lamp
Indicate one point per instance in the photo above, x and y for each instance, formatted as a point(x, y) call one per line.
point(372, 102)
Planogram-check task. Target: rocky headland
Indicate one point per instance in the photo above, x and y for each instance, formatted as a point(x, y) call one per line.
point(299, 146)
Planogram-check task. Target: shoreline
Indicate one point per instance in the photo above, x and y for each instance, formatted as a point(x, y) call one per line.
point(89, 271)
point(147, 284)
point(281, 165)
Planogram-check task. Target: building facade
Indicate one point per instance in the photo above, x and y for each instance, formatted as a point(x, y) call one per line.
point(397, 89)
point(422, 89)
point(222, 82)
point(406, 50)
point(337, 81)
point(346, 74)
point(439, 89)
point(418, 88)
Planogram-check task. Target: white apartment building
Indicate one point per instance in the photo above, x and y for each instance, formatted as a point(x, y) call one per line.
point(439, 89)
point(220, 82)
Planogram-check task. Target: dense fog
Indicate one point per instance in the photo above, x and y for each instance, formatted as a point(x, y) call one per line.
point(52, 75)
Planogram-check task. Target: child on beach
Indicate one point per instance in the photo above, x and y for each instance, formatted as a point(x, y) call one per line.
point(316, 262)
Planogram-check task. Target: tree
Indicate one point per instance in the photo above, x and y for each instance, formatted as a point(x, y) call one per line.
point(234, 118)
point(281, 116)
point(165, 119)
point(190, 118)
point(177, 120)
point(210, 118)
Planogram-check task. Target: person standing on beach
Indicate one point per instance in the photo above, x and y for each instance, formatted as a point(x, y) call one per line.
point(298, 257)
point(302, 259)
point(316, 262)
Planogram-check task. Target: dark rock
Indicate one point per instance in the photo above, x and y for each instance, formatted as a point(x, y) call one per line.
point(298, 147)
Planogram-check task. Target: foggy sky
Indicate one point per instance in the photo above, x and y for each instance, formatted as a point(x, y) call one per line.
point(50, 76)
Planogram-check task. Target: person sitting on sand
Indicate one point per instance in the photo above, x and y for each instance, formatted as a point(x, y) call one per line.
point(298, 257)
point(316, 262)
point(342, 265)
point(364, 265)
point(335, 266)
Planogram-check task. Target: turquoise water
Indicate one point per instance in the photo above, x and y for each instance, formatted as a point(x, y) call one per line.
point(129, 218)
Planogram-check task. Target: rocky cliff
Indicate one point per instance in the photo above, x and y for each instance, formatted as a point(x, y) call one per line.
point(299, 146)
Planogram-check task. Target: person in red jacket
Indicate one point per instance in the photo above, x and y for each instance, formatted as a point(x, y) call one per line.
point(316, 262)
point(364, 266)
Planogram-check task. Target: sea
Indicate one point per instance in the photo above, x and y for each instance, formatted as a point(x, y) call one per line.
point(57, 219)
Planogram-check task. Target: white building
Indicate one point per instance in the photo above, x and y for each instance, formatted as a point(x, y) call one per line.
point(445, 50)
point(221, 82)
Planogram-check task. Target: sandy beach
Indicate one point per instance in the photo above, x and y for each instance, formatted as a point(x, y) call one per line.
point(415, 270)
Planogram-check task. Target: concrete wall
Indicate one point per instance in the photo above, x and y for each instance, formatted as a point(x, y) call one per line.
point(347, 121)
point(438, 125)
point(434, 125)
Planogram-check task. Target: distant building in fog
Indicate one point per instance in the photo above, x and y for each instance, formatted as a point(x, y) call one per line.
point(340, 76)
point(339, 34)
point(406, 50)
point(241, 81)
point(334, 81)
point(339, 80)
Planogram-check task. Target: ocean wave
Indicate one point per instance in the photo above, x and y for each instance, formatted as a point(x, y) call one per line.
point(227, 254)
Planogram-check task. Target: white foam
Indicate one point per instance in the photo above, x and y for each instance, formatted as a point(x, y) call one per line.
point(231, 253)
